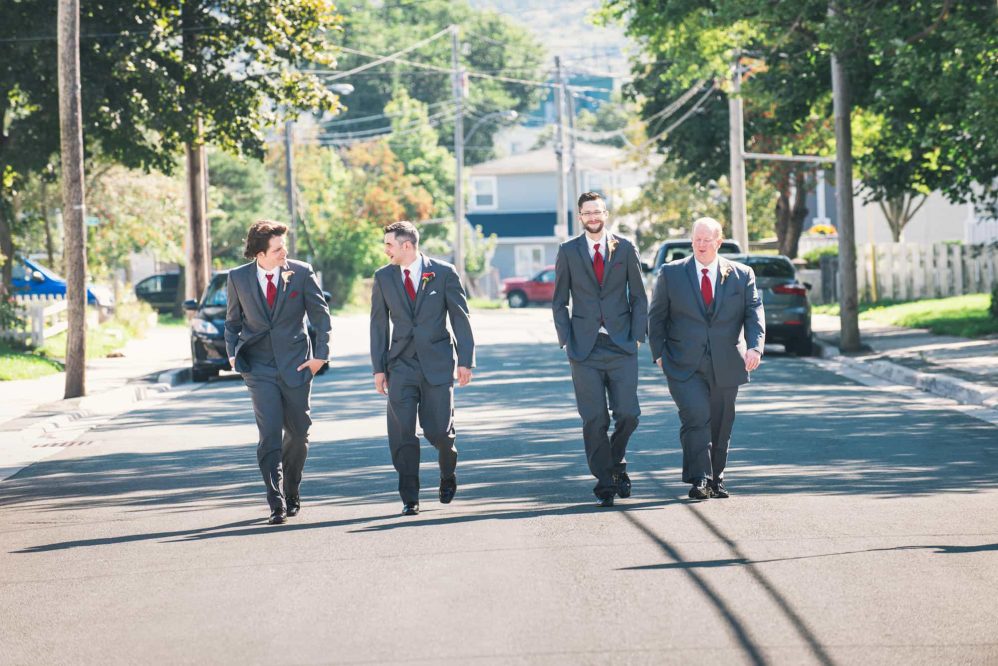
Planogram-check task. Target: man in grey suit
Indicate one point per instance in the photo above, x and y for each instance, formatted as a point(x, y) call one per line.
point(706, 329)
point(601, 275)
point(265, 338)
point(412, 353)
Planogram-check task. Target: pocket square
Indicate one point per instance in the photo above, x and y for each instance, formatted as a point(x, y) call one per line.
point(432, 292)
point(293, 294)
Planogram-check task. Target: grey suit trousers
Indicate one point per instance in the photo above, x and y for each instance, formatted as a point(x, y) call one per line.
point(282, 417)
point(606, 381)
point(410, 397)
point(706, 414)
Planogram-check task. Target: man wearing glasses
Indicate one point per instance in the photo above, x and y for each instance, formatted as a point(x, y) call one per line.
point(601, 275)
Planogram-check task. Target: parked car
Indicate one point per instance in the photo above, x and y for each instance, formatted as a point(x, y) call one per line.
point(520, 292)
point(159, 291)
point(788, 310)
point(673, 250)
point(31, 278)
point(208, 354)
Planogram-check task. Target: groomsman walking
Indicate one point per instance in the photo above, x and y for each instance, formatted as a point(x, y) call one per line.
point(412, 352)
point(266, 341)
point(600, 275)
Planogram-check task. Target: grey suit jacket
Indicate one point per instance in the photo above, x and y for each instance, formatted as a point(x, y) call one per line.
point(680, 328)
point(248, 319)
point(396, 322)
point(619, 304)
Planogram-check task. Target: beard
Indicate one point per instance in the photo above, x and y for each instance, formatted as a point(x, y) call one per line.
point(593, 227)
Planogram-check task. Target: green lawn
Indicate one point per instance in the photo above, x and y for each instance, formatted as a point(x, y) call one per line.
point(486, 304)
point(19, 363)
point(965, 316)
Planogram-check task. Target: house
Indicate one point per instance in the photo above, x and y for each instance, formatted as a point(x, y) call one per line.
point(515, 198)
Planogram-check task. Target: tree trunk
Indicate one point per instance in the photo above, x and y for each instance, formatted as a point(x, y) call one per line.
point(848, 294)
point(71, 133)
point(198, 249)
point(899, 211)
point(6, 244)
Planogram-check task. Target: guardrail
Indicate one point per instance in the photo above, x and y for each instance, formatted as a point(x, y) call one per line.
point(43, 315)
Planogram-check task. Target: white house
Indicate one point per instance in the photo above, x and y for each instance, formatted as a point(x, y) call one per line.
point(515, 198)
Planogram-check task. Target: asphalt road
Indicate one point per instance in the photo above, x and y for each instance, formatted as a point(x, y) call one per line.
point(861, 529)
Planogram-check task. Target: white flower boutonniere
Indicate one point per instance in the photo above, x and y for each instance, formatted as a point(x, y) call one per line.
point(286, 276)
point(611, 244)
point(724, 272)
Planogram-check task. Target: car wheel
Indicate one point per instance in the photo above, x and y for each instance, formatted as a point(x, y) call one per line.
point(801, 346)
point(517, 299)
point(202, 375)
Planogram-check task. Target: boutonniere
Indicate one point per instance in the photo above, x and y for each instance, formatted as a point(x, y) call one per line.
point(611, 244)
point(427, 277)
point(287, 275)
point(725, 271)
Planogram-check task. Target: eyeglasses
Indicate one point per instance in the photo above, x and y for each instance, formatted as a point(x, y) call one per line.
point(593, 213)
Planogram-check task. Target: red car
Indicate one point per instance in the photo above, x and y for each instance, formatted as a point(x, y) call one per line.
point(520, 292)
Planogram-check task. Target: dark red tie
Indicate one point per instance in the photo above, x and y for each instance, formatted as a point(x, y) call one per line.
point(271, 291)
point(598, 264)
point(409, 289)
point(708, 293)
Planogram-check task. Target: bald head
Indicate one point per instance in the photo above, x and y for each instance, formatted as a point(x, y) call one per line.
point(707, 236)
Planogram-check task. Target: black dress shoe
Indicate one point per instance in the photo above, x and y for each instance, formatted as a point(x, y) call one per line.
point(278, 517)
point(410, 509)
point(448, 488)
point(718, 490)
point(605, 501)
point(294, 506)
point(700, 490)
point(623, 485)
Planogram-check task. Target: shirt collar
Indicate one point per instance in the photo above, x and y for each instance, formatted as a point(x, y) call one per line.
point(261, 274)
point(601, 241)
point(415, 268)
point(711, 267)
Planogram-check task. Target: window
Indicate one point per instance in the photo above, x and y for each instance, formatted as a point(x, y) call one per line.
point(483, 193)
point(598, 181)
point(529, 259)
point(546, 276)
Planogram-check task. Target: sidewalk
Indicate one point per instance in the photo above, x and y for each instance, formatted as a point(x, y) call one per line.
point(960, 369)
point(32, 409)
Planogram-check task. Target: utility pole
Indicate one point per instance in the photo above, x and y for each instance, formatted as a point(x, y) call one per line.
point(198, 269)
point(573, 166)
point(736, 141)
point(289, 173)
point(561, 221)
point(74, 212)
point(458, 154)
point(848, 296)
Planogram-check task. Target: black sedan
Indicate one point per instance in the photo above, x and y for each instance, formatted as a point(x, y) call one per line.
point(208, 354)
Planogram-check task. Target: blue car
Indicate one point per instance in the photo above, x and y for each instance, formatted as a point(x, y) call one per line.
point(32, 278)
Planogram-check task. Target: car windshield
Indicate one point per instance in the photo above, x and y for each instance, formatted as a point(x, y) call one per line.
point(771, 268)
point(216, 295)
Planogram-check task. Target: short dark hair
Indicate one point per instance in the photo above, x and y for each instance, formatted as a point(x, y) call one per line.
point(259, 235)
point(404, 231)
point(590, 196)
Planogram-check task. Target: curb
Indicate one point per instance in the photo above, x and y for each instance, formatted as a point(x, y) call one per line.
point(110, 402)
point(936, 383)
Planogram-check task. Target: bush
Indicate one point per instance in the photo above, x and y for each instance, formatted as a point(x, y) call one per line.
point(993, 310)
point(813, 257)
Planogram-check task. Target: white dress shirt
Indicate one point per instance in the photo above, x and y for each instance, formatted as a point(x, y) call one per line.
point(261, 276)
point(711, 274)
point(415, 272)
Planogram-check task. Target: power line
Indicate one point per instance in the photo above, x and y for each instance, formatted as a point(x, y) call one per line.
point(693, 109)
point(390, 57)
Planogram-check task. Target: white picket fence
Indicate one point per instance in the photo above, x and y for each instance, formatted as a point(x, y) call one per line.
point(43, 315)
point(902, 271)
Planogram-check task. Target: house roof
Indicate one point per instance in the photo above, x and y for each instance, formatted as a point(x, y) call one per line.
point(588, 156)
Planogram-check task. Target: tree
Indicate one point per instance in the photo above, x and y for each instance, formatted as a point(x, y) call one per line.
point(492, 44)
point(242, 192)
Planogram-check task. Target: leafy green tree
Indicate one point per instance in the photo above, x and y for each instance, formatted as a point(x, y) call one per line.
point(242, 192)
point(491, 44)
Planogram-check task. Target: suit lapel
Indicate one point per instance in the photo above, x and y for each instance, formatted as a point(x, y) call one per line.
point(254, 284)
point(691, 272)
point(282, 290)
point(719, 286)
point(396, 277)
point(587, 262)
point(421, 287)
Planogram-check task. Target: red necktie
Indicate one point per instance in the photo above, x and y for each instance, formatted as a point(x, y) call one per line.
point(409, 289)
point(708, 293)
point(271, 291)
point(598, 264)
